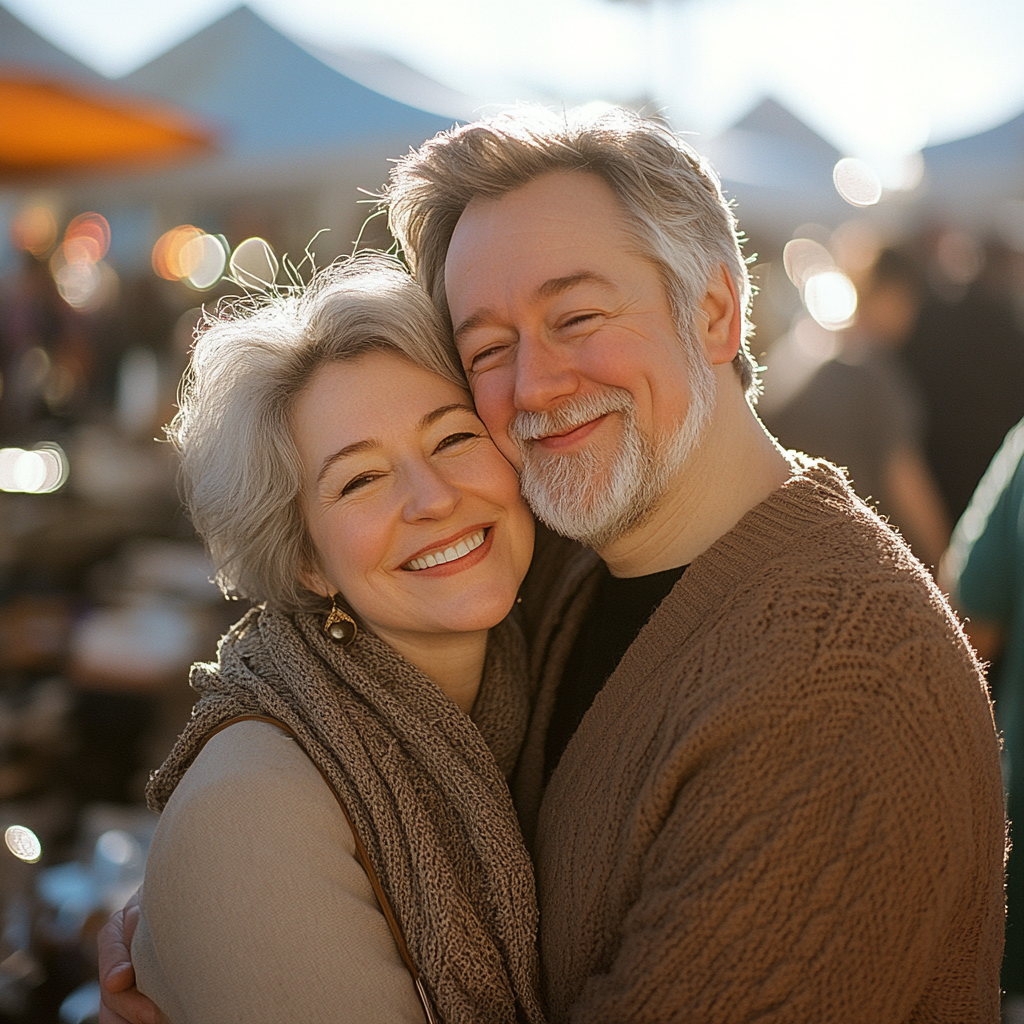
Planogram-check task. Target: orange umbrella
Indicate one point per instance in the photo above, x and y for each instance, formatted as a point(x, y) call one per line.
point(50, 124)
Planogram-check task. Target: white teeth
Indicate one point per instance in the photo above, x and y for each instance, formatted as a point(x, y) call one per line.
point(459, 550)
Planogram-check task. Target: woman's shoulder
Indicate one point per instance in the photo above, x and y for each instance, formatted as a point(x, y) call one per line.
point(254, 766)
point(253, 906)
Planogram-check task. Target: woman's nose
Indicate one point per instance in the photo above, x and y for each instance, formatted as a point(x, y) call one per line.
point(429, 495)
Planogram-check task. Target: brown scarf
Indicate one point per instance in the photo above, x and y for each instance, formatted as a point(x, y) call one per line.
point(422, 782)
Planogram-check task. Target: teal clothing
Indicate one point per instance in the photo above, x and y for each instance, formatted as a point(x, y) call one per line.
point(987, 562)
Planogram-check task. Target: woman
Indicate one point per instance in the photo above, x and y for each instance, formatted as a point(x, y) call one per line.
point(334, 465)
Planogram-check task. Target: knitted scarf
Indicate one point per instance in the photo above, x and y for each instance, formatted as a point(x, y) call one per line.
point(422, 782)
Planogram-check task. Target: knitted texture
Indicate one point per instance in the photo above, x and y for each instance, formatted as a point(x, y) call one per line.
point(785, 804)
point(425, 792)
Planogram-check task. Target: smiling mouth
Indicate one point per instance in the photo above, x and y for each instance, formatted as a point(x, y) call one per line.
point(449, 554)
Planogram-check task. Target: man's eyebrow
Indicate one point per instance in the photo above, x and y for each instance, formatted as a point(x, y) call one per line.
point(358, 447)
point(553, 286)
point(479, 319)
point(557, 285)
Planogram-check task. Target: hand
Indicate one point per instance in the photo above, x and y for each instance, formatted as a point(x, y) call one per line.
point(122, 1002)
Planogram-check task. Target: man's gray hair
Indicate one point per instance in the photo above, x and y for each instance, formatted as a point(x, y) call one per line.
point(240, 469)
point(671, 197)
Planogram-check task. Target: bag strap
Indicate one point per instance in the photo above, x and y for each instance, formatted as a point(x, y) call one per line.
point(361, 856)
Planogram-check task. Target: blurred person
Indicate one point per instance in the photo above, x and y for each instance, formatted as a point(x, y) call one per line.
point(966, 356)
point(334, 465)
point(862, 412)
point(984, 573)
point(761, 777)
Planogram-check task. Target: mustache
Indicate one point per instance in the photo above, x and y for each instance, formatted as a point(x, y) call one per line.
point(572, 413)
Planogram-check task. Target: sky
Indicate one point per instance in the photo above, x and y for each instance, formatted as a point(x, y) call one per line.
point(878, 78)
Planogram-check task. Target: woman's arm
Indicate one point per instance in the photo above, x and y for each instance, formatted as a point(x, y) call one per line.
point(254, 907)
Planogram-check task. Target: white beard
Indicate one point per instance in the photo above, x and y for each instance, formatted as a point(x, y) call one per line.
point(597, 499)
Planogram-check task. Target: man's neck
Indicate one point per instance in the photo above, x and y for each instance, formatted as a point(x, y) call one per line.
point(735, 467)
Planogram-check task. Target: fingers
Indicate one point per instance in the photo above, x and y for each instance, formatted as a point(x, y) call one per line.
point(115, 962)
point(129, 1007)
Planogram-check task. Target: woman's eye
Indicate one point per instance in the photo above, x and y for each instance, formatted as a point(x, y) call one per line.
point(356, 482)
point(454, 439)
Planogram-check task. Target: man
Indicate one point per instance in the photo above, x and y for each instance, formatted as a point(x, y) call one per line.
point(778, 798)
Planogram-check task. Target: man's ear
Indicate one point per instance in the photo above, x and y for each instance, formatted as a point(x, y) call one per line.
point(721, 326)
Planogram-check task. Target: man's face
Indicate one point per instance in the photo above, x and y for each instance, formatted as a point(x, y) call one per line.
point(573, 353)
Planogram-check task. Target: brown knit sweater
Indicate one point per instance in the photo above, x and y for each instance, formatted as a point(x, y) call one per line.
point(785, 804)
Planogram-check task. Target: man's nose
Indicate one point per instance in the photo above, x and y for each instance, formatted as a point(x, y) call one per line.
point(544, 373)
point(428, 494)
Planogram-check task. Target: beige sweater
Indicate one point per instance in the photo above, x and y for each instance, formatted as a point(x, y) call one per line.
point(785, 804)
point(254, 906)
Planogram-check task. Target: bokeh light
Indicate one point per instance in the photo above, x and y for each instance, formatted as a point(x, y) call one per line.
point(803, 258)
point(204, 258)
point(34, 230)
point(87, 238)
point(168, 249)
point(39, 470)
point(831, 298)
point(117, 847)
point(23, 843)
point(84, 281)
point(254, 265)
point(187, 253)
point(857, 181)
point(82, 285)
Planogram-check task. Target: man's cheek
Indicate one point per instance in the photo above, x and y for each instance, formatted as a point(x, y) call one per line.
point(495, 407)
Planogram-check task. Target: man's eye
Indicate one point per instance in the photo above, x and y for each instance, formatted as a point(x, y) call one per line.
point(356, 482)
point(579, 319)
point(454, 439)
point(482, 360)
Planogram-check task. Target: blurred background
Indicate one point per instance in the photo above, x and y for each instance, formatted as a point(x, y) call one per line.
point(875, 157)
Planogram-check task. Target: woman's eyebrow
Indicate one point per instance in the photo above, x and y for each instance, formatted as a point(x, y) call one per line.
point(350, 449)
point(370, 443)
point(436, 414)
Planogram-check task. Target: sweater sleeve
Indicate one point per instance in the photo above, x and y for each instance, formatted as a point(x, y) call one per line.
point(809, 866)
point(254, 908)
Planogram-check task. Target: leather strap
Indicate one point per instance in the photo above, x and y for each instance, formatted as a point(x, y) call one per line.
point(361, 856)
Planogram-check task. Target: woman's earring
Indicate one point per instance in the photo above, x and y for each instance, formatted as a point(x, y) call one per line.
point(339, 625)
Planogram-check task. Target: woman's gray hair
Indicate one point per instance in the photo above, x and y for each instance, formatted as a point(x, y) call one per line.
point(240, 469)
point(671, 197)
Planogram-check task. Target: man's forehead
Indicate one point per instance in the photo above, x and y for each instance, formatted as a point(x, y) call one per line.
point(555, 228)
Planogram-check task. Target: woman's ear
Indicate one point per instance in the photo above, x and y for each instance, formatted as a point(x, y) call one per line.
point(312, 579)
point(721, 323)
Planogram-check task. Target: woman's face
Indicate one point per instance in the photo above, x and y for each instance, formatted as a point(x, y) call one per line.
point(415, 516)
